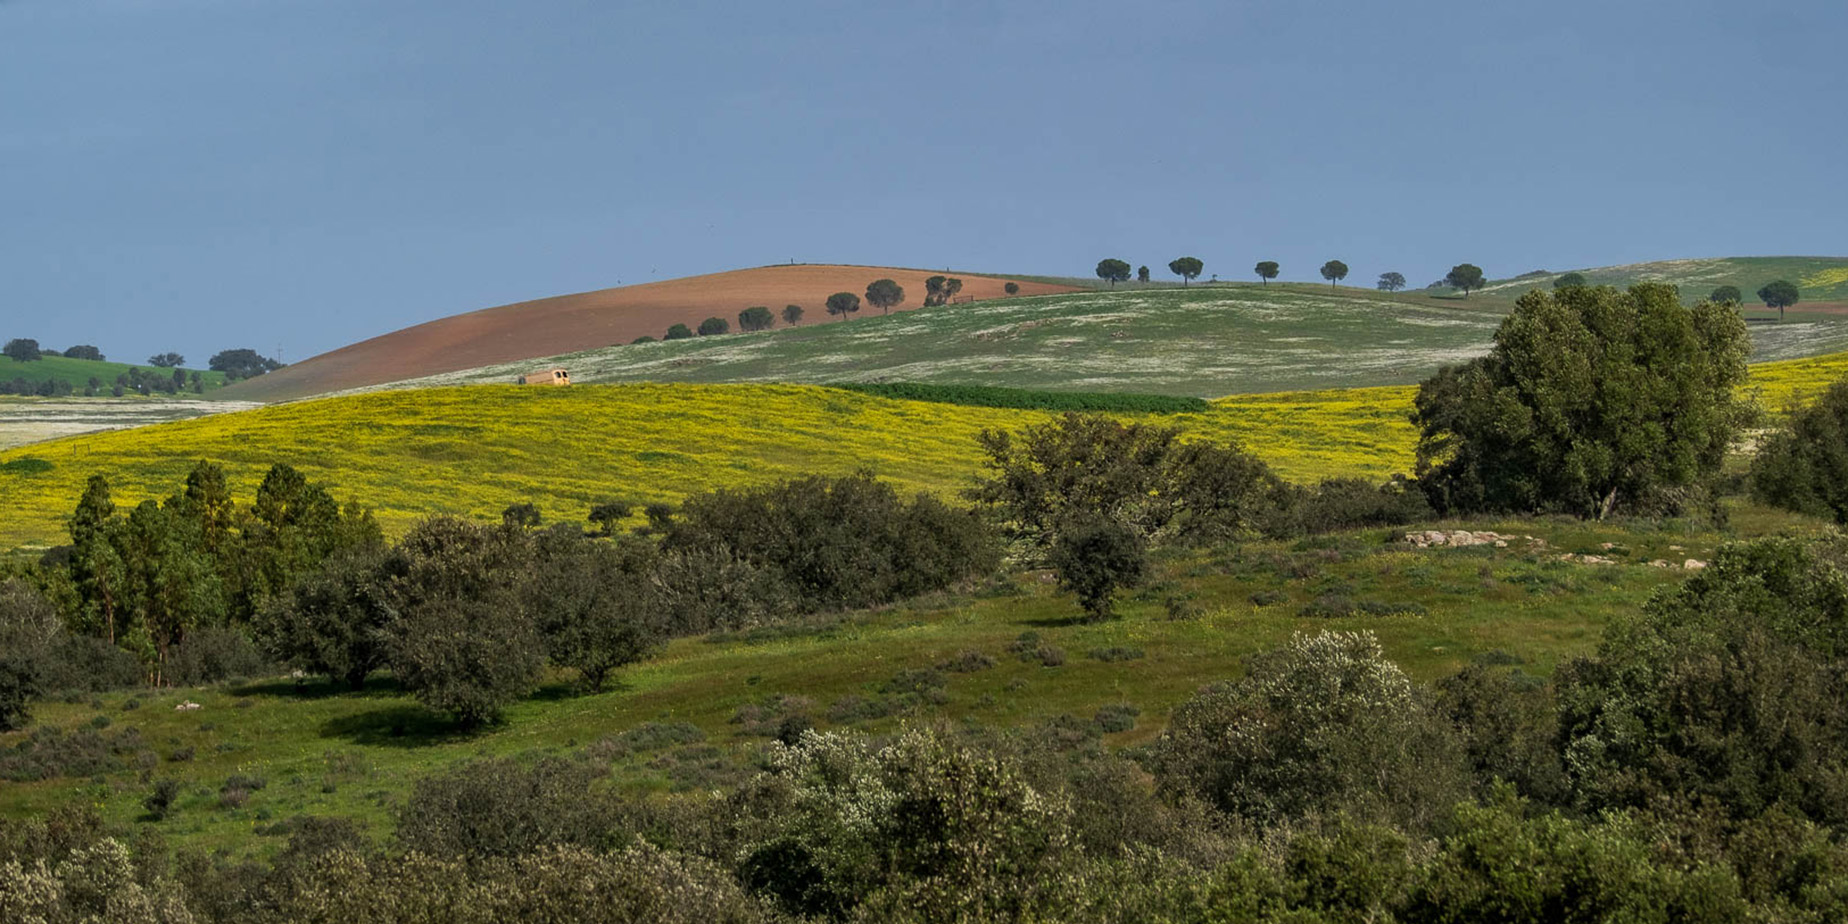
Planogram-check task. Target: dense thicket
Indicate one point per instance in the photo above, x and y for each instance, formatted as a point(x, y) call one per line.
point(1591, 401)
point(1803, 466)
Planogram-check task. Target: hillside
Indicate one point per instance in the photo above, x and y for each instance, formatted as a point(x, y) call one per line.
point(474, 451)
point(568, 323)
point(1205, 341)
point(78, 372)
point(1822, 280)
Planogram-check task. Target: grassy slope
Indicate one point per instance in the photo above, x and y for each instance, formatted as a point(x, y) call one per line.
point(79, 371)
point(473, 451)
point(1821, 279)
point(1203, 340)
point(328, 752)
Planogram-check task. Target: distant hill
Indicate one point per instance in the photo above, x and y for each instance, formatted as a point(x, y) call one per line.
point(78, 372)
point(1822, 280)
point(570, 323)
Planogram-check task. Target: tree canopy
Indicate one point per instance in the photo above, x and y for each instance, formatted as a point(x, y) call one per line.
point(1186, 267)
point(712, 327)
point(1392, 282)
point(884, 294)
point(938, 290)
point(1465, 276)
point(1591, 401)
point(843, 303)
point(1142, 273)
point(1334, 271)
point(1804, 465)
point(1779, 295)
point(1112, 270)
point(242, 364)
point(678, 332)
point(1568, 280)
point(792, 314)
point(84, 351)
point(756, 318)
point(167, 360)
point(22, 350)
point(1729, 295)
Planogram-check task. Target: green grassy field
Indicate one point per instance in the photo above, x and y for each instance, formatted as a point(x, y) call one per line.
point(78, 372)
point(1205, 341)
point(325, 751)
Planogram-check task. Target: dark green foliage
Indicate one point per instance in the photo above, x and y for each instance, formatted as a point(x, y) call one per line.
point(1391, 282)
point(159, 801)
point(707, 590)
point(1024, 399)
point(1337, 504)
point(1185, 267)
point(938, 290)
point(463, 641)
point(29, 627)
point(841, 304)
point(1112, 270)
point(1117, 717)
point(1780, 295)
point(1116, 653)
point(595, 603)
point(1804, 465)
point(1568, 280)
point(84, 351)
point(241, 364)
point(1325, 724)
point(522, 516)
point(1013, 288)
point(1591, 401)
point(213, 654)
point(166, 360)
point(607, 515)
point(1730, 687)
point(1508, 727)
point(1094, 557)
point(1465, 276)
point(792, 314)
point(21, 350)
point(884, 294)
point(332, 622)
point(712, 327)
point(1142, 274)
point(1266, 270)
point(756, 318)
point(837, 542)
point(678, 332)
point(1334, 271)
point(1726, 295)
point(50, 753)
point(642, 339)
point(503, 808)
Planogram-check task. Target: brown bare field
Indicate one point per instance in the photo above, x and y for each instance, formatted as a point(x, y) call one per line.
point(568, 323)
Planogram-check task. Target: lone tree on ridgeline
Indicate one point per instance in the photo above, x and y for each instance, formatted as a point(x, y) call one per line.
point(1779, 295)
point(22, 350)
point(1142, 274)
point(756, 318)
point(1568, 280)
point(841, 304)
point(1334, 271)
point(1186, 267)
point(1392, 282)
point(1592, 401)
point(792, 314)
point(1112, 271)
point(1266, 270)
point(166, 360)
point(1465, 276)
point(1725, 295)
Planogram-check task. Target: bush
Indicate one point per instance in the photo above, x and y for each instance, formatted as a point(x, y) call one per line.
point(333, 622)
point(1115, 654)
point(503, 808)
point(467, 656)
point(1804, 466)
point(28, 627)
point(49, 753)
point(967, 661)
point(1323, 724)
point(211, 655)
point(595, 603)
point(159, 801)
point(1117, 717)
point(678, 332)
point(712, 327)
point(1094, 557)
point(1338, 504)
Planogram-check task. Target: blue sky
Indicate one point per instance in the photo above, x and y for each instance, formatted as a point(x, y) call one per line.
point(194, 175)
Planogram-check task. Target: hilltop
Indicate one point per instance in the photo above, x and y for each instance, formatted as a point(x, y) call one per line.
point(78, 372)
point(568, 323)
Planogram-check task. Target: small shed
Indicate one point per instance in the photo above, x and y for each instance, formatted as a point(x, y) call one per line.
point(547, 377)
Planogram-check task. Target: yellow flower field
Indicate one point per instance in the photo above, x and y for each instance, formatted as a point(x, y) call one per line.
point(474, 450)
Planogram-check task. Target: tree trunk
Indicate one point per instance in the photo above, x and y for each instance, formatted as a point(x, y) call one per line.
point(1609, 504)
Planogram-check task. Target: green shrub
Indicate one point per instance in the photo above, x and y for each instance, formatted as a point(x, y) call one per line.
point(1804, 465)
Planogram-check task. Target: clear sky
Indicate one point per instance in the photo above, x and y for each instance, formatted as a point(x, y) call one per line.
point(194, 175)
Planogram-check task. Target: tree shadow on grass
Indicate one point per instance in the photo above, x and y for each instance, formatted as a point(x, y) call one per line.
point(400, 727)
point(318, 688)
point(1057, 622)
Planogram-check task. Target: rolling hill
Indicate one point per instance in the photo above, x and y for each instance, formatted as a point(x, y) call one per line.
point(567, 323)
point(474, 451)
point(78, 372)
point(1206, 341)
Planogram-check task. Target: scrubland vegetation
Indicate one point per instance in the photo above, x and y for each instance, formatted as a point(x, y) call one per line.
point(1110, 668)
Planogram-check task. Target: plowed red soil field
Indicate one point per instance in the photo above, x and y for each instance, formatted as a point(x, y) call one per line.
point(568, 323)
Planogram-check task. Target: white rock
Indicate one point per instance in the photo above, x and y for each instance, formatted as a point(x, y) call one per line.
point(1694, 564)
